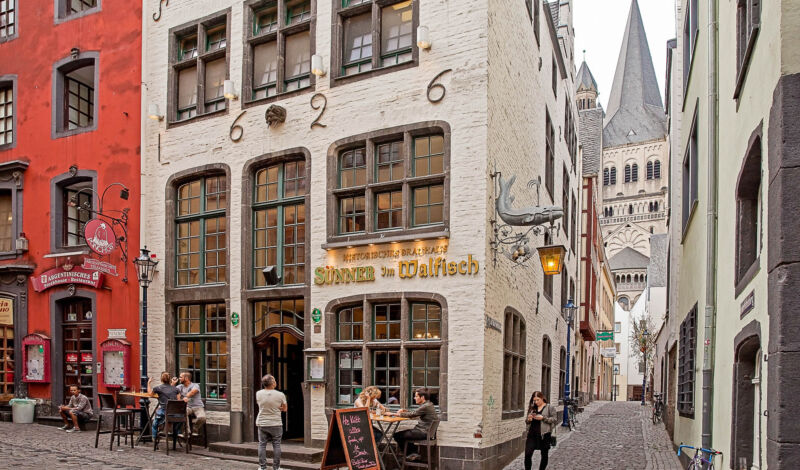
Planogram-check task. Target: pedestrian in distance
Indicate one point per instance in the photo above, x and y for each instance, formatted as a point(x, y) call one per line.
point(166, 391)
point(77, 411)
point(542, 419)
point(271, 403)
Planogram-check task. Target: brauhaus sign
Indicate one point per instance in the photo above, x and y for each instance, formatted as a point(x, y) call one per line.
point(437, 266)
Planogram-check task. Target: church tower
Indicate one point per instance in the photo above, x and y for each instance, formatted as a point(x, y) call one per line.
point(586, 93)
point(635, 162)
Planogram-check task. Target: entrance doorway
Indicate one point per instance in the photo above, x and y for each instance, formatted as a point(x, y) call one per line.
point(279, 352)
point(76, 330)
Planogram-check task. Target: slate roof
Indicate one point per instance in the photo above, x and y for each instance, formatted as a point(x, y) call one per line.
point(555, 11)
point(628, 258)
point(590, 136)
point(635, 111)
point(585, 80)
point(657, 270)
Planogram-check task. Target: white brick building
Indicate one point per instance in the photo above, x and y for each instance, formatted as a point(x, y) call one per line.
point(398, 172)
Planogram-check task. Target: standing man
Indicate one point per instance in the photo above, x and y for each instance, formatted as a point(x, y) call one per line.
point(271, 403)
point(190, 393)
point(425, 414)
point(79, 410)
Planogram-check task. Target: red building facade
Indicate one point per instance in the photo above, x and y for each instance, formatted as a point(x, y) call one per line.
point(70, 74)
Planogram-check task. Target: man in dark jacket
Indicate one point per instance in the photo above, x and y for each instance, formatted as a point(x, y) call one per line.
point(425, 415)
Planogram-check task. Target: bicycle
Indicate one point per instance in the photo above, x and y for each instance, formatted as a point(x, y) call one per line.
point(658, 409)
point(698, 462)
point(572, 412)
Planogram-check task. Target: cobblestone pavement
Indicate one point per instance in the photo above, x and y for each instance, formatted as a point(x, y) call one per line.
point(47, 447)
point(613, 436)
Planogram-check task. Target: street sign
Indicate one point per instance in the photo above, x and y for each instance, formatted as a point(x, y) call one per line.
point(603, 335)
point(608, 352)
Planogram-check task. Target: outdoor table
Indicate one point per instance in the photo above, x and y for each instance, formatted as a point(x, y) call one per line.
point(145, 418)
point(388, 426)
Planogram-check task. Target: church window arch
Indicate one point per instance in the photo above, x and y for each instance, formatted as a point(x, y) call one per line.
point(657, 169)
point(606, 176)
point(612, 176)
point(627, 173)
point(630, 209)
point(634, 172)
point(649, 170)
point(635, 278)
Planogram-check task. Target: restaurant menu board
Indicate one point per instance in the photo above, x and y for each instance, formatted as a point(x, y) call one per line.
point(350, 441)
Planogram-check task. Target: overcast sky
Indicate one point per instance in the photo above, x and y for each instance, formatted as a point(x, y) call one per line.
point(599, 27)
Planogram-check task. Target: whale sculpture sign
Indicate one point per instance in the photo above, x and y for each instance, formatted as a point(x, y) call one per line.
point(528, 216)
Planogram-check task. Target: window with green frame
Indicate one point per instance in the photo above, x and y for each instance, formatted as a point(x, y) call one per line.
point(350, 323)
point(353, 168)
point(297, 11)
point(428, 205)
point(265, 20)
point(393, 22)
point(386, 322)
point(201, 242)
point(279, 222)
point(350, 376)
point(201, 342)
point(425, 372)
point(386, 374)
point(279, 312)
point(426, 321)
point(216, 38)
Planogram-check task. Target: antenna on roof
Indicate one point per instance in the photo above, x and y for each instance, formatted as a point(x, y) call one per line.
point(584, 55)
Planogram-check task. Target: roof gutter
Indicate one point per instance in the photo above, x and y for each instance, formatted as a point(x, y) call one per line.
point(711, 234)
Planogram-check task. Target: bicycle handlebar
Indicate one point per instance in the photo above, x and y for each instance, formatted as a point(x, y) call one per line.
point(707, 451)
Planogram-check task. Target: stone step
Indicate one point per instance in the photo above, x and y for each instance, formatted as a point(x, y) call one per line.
point(286, 462)
point(289, 451)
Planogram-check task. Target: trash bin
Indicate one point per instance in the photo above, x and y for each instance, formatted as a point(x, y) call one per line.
point(22, 410)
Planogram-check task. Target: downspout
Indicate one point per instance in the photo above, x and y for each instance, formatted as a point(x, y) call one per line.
point(711, 235)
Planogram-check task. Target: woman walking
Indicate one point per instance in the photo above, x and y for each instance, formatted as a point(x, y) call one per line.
point(542, 419)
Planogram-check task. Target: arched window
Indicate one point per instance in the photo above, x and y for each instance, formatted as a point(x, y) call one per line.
point(634, 172)
point(630, 208)
point(627, 173)
point(651, 229)
point(650, 206)
point(628, 279)
point(624, 302)
point(605, 176)
point(649, 170)
point(547, 358)
point(635, 278)
point(655, 206)
point(657, 169)
point(613, 175)
point(514, 362)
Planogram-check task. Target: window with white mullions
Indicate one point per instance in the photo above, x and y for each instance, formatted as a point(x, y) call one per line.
point(8, 19)
point(279, 215)
point(79, 98)
point(77, 6)
point(74, 218)
point(6, 114)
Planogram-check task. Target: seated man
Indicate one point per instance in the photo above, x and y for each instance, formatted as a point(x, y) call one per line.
point(190, 393)
point(166, 391)
point(78, 411)
point(425, 414)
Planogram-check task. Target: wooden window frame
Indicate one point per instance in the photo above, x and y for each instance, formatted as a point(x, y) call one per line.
point(343, 10)
point(514, 345)
point(254, 38)
point(199, 29)
point(407, 135)
point(202, 216)
point(203, 337)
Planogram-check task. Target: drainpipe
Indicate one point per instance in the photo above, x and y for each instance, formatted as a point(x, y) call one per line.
point(711, 236)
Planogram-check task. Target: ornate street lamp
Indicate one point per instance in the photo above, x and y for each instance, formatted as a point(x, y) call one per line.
point(145, 266)
point(569, 313)
point(552, 257)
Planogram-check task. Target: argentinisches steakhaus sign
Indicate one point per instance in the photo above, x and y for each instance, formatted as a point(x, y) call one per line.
point(59, 276)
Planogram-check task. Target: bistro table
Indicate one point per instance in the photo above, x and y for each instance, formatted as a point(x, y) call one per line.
point(145, 418)
point(388, 426)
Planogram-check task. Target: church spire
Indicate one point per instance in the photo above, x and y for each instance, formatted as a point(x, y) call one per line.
point(586, 92)
point(635, 112)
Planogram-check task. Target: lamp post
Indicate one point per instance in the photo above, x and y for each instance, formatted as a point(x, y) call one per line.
point(645, 334)
point(145, 266)
point(569, 311)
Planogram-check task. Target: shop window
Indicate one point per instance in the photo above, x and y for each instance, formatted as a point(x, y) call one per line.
point(198, 68)
point(201, 228)
point(279, 217)
point(279, 312)
point(386, 322)
point(76, 92)
point(748, 216)
point(373, 192)
point(8, 20)
point(397, 361)
point(547, 364)
point(277, 38)
point(364, 21)
point(201, 339)
point(689, 186)
point(7, 353)
point(350, 377)
point(550, 155)
point(514, 342)
point(686, 364)
point(8, 113)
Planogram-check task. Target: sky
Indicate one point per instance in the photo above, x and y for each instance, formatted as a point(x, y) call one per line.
point(599, 27)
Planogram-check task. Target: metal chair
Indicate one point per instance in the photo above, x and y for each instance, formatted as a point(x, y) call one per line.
point(175, 414)
point(431, 448)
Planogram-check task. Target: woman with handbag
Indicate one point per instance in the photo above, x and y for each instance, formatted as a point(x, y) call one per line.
point(542, 419)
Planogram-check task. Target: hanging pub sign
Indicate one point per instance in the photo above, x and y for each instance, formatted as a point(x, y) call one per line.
point(100, 237)
point(60, 275)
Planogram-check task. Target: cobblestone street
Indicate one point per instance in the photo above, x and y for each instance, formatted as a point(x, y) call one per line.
point(611, 435)
point(47, 447)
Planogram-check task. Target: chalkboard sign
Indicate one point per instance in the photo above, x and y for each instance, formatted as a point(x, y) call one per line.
point(350, 441)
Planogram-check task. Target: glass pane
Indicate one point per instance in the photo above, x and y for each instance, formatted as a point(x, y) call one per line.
point(298, 55)
point(357, 38)
point(187, 87)
point(396, 24)
point(265, 64)
point(215, 78)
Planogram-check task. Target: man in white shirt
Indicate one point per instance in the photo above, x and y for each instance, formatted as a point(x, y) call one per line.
point(271, 403)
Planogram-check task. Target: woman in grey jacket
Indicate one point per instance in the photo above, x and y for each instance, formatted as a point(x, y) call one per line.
point(541, 420)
